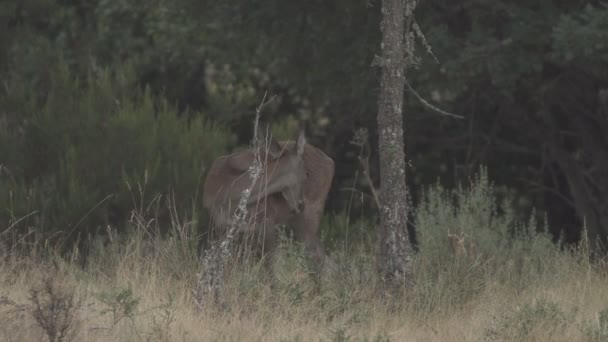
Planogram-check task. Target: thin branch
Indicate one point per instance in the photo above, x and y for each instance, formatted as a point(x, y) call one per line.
point(84, 217)
point(361, 140)
point(17, 222)
point(211, 273)
point(430, 106)
point(365, 165)
point(426, 45)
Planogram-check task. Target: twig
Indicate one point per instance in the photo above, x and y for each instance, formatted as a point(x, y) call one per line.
point(17, 221)
point(430, 106)
point(420, 35)
point(365, 164)
point(361, 140)
point(84, 217)
point(213, 261)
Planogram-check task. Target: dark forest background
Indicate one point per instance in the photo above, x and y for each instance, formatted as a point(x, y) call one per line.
point(107, 105)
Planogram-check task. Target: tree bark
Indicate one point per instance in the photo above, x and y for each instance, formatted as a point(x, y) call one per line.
point(395, 252)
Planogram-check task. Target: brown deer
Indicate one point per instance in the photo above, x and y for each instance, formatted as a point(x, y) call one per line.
point(460, 248)
point(291, 190)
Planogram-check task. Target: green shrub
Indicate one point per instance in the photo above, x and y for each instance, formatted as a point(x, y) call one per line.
point(519, 324)
point(95, 148)
point(596, 332)
point(338, 231)
point(121, 303)
point(498, 245)
point(474, 211)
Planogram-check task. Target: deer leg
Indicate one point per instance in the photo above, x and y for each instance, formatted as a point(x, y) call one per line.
point(266, 241)
point(305, 229)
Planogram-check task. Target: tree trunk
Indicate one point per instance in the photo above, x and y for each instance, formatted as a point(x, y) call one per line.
point(395, 252)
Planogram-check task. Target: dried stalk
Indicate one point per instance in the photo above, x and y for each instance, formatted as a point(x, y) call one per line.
point(209, 280)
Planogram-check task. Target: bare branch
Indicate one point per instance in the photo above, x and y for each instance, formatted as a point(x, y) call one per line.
point(361, 140)
point(430, 106)
point(372, 188)
point(426, 45)
point(213, 261)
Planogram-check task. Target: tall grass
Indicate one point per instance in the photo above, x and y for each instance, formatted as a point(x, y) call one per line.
point(513, 285)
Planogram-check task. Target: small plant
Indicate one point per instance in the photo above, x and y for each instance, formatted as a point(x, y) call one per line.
point(598, 332)
point(122, 303)
point(379, 338)
point(55, 310)
point(339, 335)
point(13, 315)
point(297, 338)
point(161, 323)
point(524, 320)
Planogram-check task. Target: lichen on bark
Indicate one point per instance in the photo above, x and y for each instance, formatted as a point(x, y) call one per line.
point(395, 251)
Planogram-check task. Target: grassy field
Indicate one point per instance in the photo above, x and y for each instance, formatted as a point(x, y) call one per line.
point(499, 287)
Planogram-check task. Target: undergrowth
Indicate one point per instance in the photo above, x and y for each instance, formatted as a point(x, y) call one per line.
point(481, 274)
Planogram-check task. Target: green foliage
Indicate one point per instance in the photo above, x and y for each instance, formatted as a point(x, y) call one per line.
point(286, 129)
point(598, 331)
point(581, 37)
point(338, 231)
point(521, 322)
point(496, 245)
point(92, 146)
point(475, 212)
point(500, 63)
point(161, 323)
point(509, 293)
point(339, 335)
point(379, 338)
point(121, 303)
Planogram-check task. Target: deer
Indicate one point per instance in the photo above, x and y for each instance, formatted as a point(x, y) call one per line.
point(292, 190)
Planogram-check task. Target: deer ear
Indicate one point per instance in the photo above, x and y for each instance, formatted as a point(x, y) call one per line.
point(274, 149)
point(300, 143)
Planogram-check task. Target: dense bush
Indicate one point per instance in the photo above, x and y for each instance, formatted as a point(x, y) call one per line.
point(476, 213)
point(93, 148)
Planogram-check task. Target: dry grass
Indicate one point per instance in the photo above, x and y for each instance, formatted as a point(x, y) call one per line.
point(141, 295)
point(139, 287)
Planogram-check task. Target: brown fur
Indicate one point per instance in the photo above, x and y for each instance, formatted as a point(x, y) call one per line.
point(265, 214)
point(282, 171)
point(460, 248)
point(320, 173)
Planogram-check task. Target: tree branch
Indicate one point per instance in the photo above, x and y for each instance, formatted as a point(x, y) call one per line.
point(430, 106)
